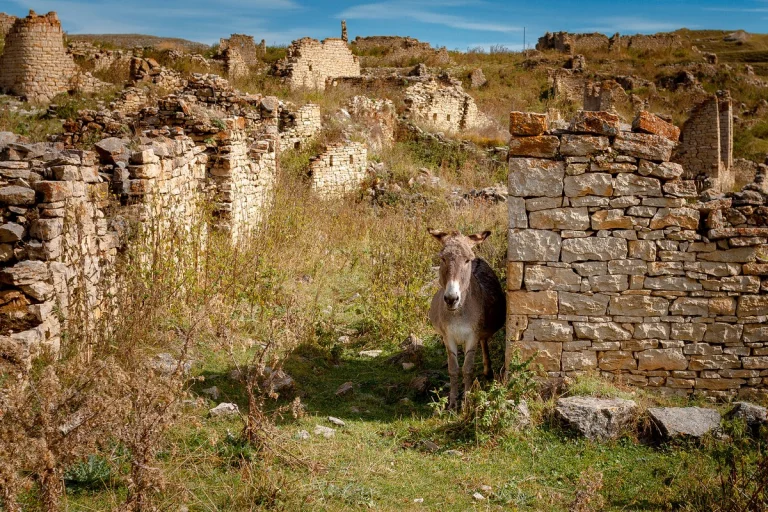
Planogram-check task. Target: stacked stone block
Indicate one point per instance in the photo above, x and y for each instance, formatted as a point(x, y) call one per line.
point(34, 63)
point(443, 105)
point(299, 126)
point(339, 170)
point(309, 63)
point(566, 42)
point(706, 142)
point(245, 46)
point(615, 267)
point(6, 22)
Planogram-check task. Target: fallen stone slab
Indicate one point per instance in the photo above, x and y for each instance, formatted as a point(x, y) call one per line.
point(676, 422)
point(596, 418)
point(224, 409)
point(326, 432)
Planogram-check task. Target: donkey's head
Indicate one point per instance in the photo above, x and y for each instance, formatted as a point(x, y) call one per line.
point(456, 264)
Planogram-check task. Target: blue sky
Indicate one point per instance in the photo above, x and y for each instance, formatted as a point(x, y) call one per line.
point(457, 24)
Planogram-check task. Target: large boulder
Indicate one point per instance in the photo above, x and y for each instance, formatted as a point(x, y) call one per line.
point(676, 422)
point(596, 418)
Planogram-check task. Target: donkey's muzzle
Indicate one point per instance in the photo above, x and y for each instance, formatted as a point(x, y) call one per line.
point(451, 300)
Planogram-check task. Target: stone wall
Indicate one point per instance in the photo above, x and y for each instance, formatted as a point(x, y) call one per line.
point(615, 267)
point(34, 63)
point(309, 63)
point(6, 22)
point(401, 48)
point(566, 42)
point(377, 120)
point(299, 126)
point(443, 105)
point(339, 170)
point(605, 96)
point(706, 142)
point(245, 46)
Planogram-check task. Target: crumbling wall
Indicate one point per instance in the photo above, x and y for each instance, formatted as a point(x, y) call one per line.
point(706, 142)
point(376, 118)
point(443, 105)
point(6, 22)
point(615, 267)
point(245, 46)
point(339, 170)
point(297, 127)
point(399, 48)
point(567, 84)
point(605, 96)
point(34, 63)
point(309, 63)
point(566, 42)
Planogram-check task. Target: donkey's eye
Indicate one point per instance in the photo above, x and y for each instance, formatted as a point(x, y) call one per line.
point(467, 261)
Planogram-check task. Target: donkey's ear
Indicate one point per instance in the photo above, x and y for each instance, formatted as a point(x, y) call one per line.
point(479, 237)
point(439, 235)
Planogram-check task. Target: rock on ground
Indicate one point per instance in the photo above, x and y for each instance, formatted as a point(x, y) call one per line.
point(754, 415)
point(326, 432)
point(596, 418)
point(224, 409)
point(693, 422)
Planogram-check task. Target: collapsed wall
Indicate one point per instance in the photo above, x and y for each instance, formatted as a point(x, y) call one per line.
point(339, 169)
point(706, 142)
point(245, 46)
point(443, 105)
point(398, 47)
point(299, 126)
point(615, 267)
point(63, 209)
point(6, 22)
point(309, 63)
point(34, 63)
point(566, 42)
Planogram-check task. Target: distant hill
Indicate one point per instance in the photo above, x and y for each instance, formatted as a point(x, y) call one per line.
point(142, 40)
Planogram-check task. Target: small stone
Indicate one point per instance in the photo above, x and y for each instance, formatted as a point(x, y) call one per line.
point(336, 421)
point(692, 422)
point(345, 389)
point(212, 392)
point(15, 195)
point(224, 410)
point(478, 497)
point(326, 432)
point(302, 435)
point(370, 353)
point(596, 418)
point(453, 453)
point(408, 366)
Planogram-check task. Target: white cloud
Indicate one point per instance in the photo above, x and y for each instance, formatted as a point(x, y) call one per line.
point(400, 10)
point(631, 24)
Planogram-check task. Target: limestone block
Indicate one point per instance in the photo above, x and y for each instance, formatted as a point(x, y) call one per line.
point(583, 145)
point(638, 305)
point(611, 219)
point(530, 177)
point(591, 184)
point(539, 277)
point(585, 360)
point(634, 185)
point(527, 123)
point(601, 331)
point(596, 123)
point(593, 249)
point(546, 355)
point(647, 122)
point(540, 146)
point(617, 360)
point(583, 305)
point(646, 146)
point(560, 218)
point(550, 330)
point(532, 303)
point(662, 359)
point(663, 170)
point(533, 245)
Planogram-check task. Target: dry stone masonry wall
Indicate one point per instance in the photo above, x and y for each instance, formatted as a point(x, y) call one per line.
point(34, 63)
point(309, 63)
point(566, 42)
point(614, 266)
point(706, 142)
point(6, 22)
point(299, 126)
point(443, 105)
point(339, 170)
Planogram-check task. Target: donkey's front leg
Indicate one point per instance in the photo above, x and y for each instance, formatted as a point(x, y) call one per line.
point(469, 364)
point(453, 372)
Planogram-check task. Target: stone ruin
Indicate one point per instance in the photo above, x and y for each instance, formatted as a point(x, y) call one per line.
point(6, 22)
point(443, 105)
point(240, 54)
point(339, 169)
point(706, 143)
point(309, 63)
point(63, 211)
point(615, 266)
point(299, 126)
point(402, 48)
point(570, 43)
point(605, 96)
point(376, 120)
point(34, 63)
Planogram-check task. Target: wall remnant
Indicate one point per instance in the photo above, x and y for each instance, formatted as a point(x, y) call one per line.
point(299, 126)
point(309, 63)
point(6, 22)
point(706, 142)
point(245, 46)
point(34, 63)
point(613, 266)
point(605, 96)
point(566, 42)
point(376, 119)
point(344, 34)
point(402, 48)
point(442, 104)
point(339, 170)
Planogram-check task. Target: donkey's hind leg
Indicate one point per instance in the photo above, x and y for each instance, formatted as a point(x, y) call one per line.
point(487, 367)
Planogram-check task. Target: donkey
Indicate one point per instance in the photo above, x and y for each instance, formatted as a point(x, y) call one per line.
point(469, 307)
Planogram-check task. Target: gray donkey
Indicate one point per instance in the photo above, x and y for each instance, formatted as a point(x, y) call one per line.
point(469, 307)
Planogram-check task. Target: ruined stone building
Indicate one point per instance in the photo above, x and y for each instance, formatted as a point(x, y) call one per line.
point(615, 266)
point(309, 63)
point(566, 42)
point(339, 169)
point(6, 22)
point(605, 96)
point(706, 142)
point(34, 63)
point(245, 46)
point(403, 48)
point(299, 126)
point(443, 105)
